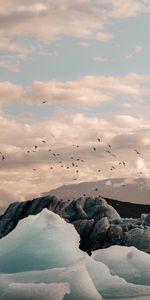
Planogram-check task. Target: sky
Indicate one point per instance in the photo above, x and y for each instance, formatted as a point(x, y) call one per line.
point(71, 73)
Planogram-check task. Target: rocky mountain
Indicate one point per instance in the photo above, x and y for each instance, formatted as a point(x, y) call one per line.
point(98, 223)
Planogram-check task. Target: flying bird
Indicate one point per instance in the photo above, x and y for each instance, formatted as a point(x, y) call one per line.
point(3, 157)
point(137, 152)
point(108, 151)
point(123, 185)
point(112, 168)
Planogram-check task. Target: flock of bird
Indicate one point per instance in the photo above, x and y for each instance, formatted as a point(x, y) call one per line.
point(76, 161)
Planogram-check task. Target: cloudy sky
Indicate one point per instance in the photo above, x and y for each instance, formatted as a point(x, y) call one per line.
point(88, 61)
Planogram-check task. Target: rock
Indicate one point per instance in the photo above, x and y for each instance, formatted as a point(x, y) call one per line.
point(98, 235)
point(139, 238)
point(84, 227)
point(147, 220)
point(98, 208)
point(114, 235)
point(19, 210)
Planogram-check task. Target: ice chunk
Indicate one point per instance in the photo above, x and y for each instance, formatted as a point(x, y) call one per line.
point(77, 277)
point(39, 242)
point(113, 286)
point(54, 291)
point(127, 262)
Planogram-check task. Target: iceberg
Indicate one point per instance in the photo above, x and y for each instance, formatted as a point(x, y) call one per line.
point(39, 242)
point(126, 262)
point(41, 259)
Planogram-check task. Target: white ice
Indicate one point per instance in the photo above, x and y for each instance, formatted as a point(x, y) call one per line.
point(41, 259)
point(39, 242)
point(127, 262)
point(21, 291)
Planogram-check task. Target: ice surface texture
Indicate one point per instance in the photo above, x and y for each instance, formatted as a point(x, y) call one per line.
point(41, 259)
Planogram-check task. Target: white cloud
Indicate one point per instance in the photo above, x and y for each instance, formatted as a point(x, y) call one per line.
point(86, 91)
point(126, 105)
point(10, 66)
point(128, 8)
point(138, 49)
point(10, 92)
point(84, 44)
point(101, 59)
point(104, 36)
point(54, 19)
point(128, 121)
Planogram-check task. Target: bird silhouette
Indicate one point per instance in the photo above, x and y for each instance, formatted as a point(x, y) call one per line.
point(3, 157)
point(108, 151)
point(137, 152)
